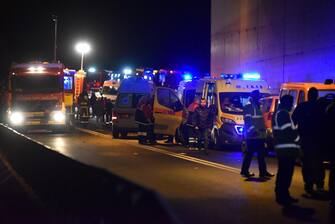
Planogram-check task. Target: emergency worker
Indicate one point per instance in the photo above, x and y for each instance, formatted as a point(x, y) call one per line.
point(83, 106)
point(255, 135)
point(144, 119)
point(203, 123)
point(286, 140)
point(190, 133)
point(308, 116)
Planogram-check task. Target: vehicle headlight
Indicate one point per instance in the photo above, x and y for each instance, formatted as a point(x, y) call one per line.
point(16, 118)
point(58, 116)
point(239, 129)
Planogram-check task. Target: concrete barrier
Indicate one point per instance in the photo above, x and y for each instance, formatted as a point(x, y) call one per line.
point(77, 193)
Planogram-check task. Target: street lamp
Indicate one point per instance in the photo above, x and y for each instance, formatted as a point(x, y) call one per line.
point(92, 70)
point(83, 48)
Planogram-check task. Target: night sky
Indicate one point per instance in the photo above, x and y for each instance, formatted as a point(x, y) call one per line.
point(160, 34)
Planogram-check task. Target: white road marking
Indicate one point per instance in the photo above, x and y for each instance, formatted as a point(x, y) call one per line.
point(166, 152)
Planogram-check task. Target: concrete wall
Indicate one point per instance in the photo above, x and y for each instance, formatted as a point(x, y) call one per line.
point(284, 40)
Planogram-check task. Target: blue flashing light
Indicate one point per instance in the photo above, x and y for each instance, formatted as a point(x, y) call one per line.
point(251, 76)
point(187, 77)
point(239, 129)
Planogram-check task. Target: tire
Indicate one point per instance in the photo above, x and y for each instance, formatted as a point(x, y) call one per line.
point(124, 134)
point(116, 133)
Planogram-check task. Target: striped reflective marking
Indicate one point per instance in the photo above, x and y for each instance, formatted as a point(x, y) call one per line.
point(283, 127)
point(289, 145)
point(173, 154)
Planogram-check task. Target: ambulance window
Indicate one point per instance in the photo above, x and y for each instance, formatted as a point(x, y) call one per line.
point(211, 98)
point(301, 97)
point(283, 92)
point(189, 96)
point(294, 94)
point(163, 96)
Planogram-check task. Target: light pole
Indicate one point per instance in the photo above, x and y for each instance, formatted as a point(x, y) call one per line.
point(55, 19)
point(83, 48)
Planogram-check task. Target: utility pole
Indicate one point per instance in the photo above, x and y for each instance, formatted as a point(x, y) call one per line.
point(55, 19)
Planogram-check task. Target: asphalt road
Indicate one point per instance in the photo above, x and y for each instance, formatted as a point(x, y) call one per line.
point(200, 188)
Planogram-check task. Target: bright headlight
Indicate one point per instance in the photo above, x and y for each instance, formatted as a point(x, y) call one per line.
point(16, 118)
point(58, 116)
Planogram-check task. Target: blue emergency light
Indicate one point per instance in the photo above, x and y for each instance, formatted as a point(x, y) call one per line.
point(187, 77)
point(251, 76)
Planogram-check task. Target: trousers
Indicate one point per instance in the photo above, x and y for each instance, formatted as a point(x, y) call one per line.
point(255, 146)
point(284, 176)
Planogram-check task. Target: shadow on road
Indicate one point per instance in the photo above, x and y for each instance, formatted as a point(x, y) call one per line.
point(257, 179)
point(299, 213)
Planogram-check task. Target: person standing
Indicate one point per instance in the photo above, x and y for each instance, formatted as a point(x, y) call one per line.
point(330, 113)
point(286, 139)
point(255, 135)
point(189, 132)
point(203, 123)
point(307, 116)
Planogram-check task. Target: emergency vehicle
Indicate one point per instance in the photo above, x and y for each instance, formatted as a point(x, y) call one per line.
point(109, 89)
point(299, 91)
point(167, 108)
point(228, 95)
point(38, 95)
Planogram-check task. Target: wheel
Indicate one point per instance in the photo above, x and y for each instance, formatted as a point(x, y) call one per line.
point(116, 133)
point(124, 134)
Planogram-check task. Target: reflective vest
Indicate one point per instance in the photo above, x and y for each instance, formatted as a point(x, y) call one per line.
point(285, 136)
point(254, 126)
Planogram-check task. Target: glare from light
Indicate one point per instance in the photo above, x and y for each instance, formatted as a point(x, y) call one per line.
point(251, 76)
point(83, 48)
point(58, 116)
point(187, 77)
point(145, 77)
point(127, 71)
point(239, 129)
point(16, 118)
point(92, 70)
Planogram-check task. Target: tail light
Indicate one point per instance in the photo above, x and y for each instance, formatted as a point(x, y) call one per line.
point(114, 116)
point(270, 116)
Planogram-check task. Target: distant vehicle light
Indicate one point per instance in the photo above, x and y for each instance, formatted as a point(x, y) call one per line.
point(251, 76)
point(16, 118)
point(38, 69)
point(58, 116)
point(127, 71)
point(145, 77)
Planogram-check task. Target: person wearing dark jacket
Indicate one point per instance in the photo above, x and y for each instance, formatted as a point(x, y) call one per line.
point(286, 140)
point(203, 123)
point(307, 116)
point(330, 112)
point(144, 119)
point(255, 135)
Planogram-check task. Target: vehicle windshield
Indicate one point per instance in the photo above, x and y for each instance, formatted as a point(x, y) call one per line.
point(323, 93)
point(109, 91)
point(37, 84)
point(233, 102)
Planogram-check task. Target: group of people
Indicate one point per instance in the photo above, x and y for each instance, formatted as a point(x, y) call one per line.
point(199, 125)
point(102, 107)
point(304, 133)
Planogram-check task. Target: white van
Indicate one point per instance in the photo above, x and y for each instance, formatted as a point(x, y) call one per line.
point(167, 108)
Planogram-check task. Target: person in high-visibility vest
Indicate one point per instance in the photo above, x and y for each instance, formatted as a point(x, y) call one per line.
point(286, 140)
point(331, 153)
point(255, 135)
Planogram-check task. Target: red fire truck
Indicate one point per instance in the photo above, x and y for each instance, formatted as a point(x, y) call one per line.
point(39, 94)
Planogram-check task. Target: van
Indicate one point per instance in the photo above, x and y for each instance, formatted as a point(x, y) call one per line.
point(228, 95)
point(167, 108)
point(299, 90)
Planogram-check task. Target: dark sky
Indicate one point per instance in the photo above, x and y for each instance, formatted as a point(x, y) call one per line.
point(159, 34)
